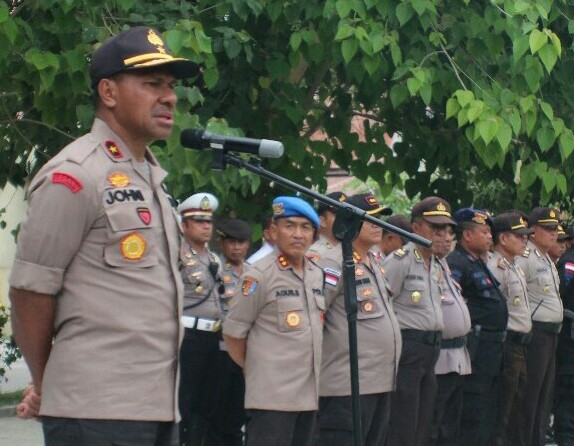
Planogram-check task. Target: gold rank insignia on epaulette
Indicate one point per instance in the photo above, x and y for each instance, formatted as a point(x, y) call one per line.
point(282, 261)
point(501, 263)
point(400, 253)
point(356, 257)
point(418, 257)
point(328, 245)
point(537, 253)
point(113, 149)
point(526, 253)
point(313, 256)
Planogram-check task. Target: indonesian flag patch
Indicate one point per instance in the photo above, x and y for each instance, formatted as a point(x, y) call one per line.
point(332, 276)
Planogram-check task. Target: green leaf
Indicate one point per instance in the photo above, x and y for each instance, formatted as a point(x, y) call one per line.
point(344, 31)
point(349, 48)
point(555, 41)
point(515, 122)
point(537, 40)
point(404, 13)
point(519, 47)
point(527, 176)
point(526, 103)
point(545, 137)
point(549, 181)
point(295, 40)
point(413, 85)
point(562, 183)
point(487, 129)
point(558, 126)
point(210, 77)
point(232, 48)
point(547, 109)
point(464, 97)
point(504, 135)
point(426, 93)
point(4, 13)
point(419, 6)
point(475, 110)
point(566, 144)
point(548, 55)
point(399, 94)
point(378, 43)
point(452, 107)
point(396, 54)
point(343, 8)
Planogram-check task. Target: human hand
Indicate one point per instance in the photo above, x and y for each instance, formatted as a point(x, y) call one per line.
point(29, 407)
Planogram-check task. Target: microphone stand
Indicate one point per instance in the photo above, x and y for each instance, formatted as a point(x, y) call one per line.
point(346, 227)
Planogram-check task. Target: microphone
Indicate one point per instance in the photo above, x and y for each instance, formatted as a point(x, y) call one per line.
point(199, 139)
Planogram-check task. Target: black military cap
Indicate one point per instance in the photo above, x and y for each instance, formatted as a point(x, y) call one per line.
point(338, 196)
point(137, 48)
point(564, 234)
point(368, 202)
point(400, 221)
point(233, 228)
point(542, 216)
point(434, 210)
point(472, 215)
point(510, 222)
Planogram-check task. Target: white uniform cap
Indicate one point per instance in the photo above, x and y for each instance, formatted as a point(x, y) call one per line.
point(199, 206)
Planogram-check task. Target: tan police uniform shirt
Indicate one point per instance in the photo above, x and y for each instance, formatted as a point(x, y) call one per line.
point(201, 288)
point(414, 289)
point(231, 279)
point(456, 320)
point(513, 286)
point(543, 285)
point(280, 313)
point(378, 333)
point(104, 240)
point(324, 247)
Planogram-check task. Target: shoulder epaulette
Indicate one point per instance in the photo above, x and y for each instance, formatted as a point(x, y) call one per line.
point(400, 253)
point(526, 253)
point(80, 149)
point(537, 253)
point(501, 263)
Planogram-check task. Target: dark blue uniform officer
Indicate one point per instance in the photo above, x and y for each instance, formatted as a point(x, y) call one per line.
point(489, 318)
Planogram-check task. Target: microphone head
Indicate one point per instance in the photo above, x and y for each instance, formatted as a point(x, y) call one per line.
point(193, 138)
point(270, 149)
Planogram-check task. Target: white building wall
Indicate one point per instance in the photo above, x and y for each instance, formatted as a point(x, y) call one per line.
point(13, 199)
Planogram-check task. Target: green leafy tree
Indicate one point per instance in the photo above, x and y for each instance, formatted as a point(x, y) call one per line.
point(479, 90)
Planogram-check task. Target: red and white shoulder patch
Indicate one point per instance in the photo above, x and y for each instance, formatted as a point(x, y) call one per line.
point(67, 180)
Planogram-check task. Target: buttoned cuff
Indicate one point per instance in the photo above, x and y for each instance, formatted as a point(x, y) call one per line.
point(235, 329)
point(36, 278)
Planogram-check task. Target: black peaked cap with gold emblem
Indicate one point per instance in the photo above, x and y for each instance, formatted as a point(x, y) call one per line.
point(434, 210)
point(543, 216)
point(510, 222)
point(137, 48)
point(472, 215)
point(368, 203)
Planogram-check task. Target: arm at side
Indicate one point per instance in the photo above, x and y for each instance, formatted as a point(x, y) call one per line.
point(237, 349)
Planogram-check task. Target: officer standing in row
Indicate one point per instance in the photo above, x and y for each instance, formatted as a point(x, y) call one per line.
point(413, 274)
point(379, 341)
point(453, 363)
point(564, 391)
point(510, 234)
point(489, 318)
point(390, 241)
point(234, 237)
point(203, 286)
point(547, 313)
point(274, 331)
point(95, 287)
point(326, 240)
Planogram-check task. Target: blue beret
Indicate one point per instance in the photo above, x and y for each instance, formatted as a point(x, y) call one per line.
point(294, 207)
point(472, 215)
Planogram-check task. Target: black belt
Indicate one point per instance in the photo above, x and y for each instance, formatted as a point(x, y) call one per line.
point(551, 327)
point(517, 337)
point(454, 342)
point(485, 334)
point(426, 337)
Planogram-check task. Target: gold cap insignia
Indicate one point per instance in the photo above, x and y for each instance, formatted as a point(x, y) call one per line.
point(552, 214)
point(440, 207)
point(278, 209)
point(204, 204)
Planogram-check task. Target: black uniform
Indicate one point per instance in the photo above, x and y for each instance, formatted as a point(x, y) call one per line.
point(564, 390)
point(489, 318)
